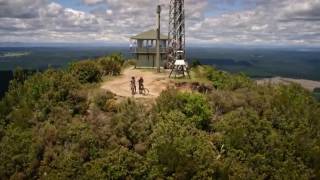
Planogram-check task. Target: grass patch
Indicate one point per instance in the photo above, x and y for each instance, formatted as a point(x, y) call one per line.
point(197, 74)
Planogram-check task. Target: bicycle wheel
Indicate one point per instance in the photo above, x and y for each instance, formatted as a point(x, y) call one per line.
point(146, 91)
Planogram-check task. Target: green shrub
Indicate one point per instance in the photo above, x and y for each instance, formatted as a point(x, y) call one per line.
point(38, 95)
point(86, 72)
point(281, 118)
point(20, 75)
point(196, 107)
point(316, 90)
point(238, 131)
point(65, 165)
point(67, 145)
point(167, 101)
point(131, 124)
point(248, 139)
point(179, 151)
point(226, 81)
point(119, 163)
point(103, 100)
point(111, 105)
point(130, 63)
point(16, 152)
point(193, 105)
point(78, 100)
point(112, 65)
point(317, 96)
point(195, 63)
point(316, 93)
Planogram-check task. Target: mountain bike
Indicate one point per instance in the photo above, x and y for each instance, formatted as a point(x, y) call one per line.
point(145, 91)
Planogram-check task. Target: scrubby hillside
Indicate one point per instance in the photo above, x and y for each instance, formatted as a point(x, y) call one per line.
point(57, 125)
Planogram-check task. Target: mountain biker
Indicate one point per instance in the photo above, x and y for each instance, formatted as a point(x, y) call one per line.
point(133, 86)
point(141, 86)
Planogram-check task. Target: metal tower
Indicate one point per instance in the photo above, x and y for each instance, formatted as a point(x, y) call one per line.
point(158, 38)
point(176, 53)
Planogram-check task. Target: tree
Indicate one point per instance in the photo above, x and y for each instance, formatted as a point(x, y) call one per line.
point(316, 93)
point(193, 105)
point(226, 81)
point(180, 151)
point(16, 152)
point(19, 75)
point(276, 142)
point(86, 71)
point(195, 63)
point(119, 163)
point(105, 101)
point(131, 124)
point(112, 65)
point(53, 127)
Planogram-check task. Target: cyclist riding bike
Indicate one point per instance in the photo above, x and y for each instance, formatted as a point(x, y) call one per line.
point(141, 86)
point(142, 89)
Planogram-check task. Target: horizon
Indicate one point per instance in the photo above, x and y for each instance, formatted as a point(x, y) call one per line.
point(124, 45)
point(260, 23)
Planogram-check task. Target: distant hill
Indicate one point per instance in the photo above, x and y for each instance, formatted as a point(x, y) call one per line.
point(76, 44)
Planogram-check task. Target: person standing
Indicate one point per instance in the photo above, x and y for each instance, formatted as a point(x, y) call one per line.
point(141, 86)
point(133, 86)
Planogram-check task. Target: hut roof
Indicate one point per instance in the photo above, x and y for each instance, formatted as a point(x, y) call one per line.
point(149, 35)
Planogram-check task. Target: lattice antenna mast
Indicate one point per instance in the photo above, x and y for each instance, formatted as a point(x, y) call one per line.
point(177, 36)
point(177, 28)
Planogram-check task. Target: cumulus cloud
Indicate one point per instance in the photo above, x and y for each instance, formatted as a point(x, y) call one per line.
point(90, 2)
point(308, 10)
point(19, 8)
point(268, 22)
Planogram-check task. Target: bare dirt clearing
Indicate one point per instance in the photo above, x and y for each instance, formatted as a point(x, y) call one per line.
point(157, 82)
point(154, 82)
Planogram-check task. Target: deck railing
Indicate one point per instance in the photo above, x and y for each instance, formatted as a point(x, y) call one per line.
point(148, 50)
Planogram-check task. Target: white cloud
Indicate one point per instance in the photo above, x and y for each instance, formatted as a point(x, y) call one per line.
point(109, 12)
point(275, 22)
point(20, 8)
point(90, 2)
point(258, 22)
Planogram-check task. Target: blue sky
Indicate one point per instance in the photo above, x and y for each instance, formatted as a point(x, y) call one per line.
point(224, 8)
point(239, 22)
point(221, 8)
point(75, 4)
point(78, 5)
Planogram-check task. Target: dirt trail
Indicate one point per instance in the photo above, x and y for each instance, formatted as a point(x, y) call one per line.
point(154, 82)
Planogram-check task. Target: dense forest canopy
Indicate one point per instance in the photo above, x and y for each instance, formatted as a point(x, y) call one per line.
point(58, 125)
